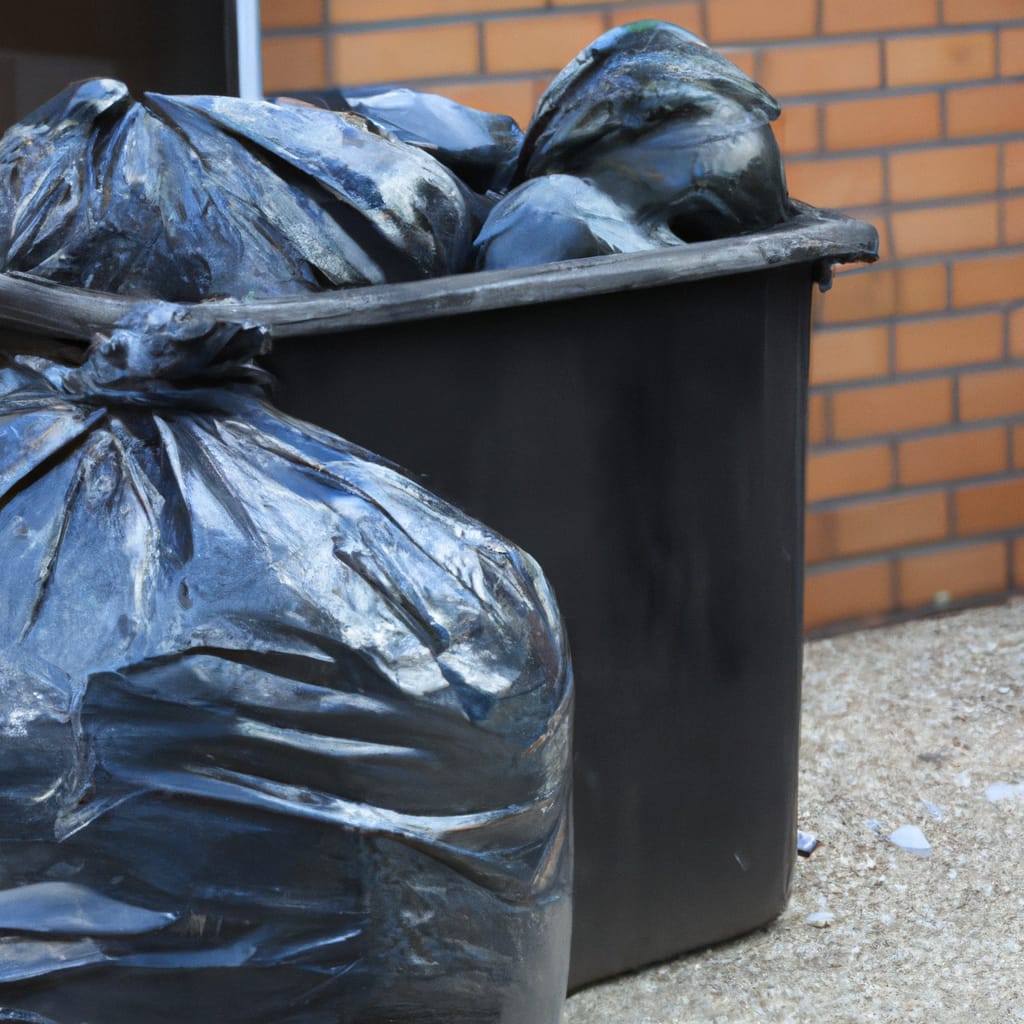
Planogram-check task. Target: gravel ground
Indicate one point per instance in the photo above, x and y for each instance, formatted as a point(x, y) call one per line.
point(919, 724)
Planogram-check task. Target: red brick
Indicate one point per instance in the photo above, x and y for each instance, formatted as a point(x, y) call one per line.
point(816, 419)
point(959, 456)
point(985, 110)
point(874, 526)
point(797, 129)
point(992, 394)
point(852, 353)
point(952, 341)
point(293, 62)
point(966, 12)
point(1013, 222)
point(291, 13)
point(892, 408)
point(844, 182)
point(538, 44)
point(923, 60)
point(937, 229)
point(1011, 52)
point(921, 289)
point(359, 11)
point(821, 67)
point(844, 594)
point(687, 15)
point(882, 292)
point(1017, 333)
point(939, 172)
point(1018, 564)
point(1018, 446)
point(992, 279)
point(853, 16)
point(1013, 164)
point(888, 121)
point(849, 471)
point(740, 21)
point(858, 295)
point(953, 575)
point(434, 51)
point(516, 99)
point(990, 508)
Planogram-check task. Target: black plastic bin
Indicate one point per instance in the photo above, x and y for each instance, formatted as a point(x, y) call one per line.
point(637, 423)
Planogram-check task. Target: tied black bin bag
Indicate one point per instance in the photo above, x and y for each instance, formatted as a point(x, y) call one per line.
point(285, 737)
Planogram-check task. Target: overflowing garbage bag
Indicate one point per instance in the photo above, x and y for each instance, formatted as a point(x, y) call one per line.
point(188, 198)
point(669, 129)
point(185, 198)
point(283, 737)
point(647, 139)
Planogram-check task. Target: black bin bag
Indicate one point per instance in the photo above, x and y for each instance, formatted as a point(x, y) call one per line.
point(283, 737)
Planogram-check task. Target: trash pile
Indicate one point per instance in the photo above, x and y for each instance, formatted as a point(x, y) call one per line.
point(283, 736)
point(647, 139)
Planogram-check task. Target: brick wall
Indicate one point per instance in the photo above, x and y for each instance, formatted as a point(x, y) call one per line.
point(908, 113)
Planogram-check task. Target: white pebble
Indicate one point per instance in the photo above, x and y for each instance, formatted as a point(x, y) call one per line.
point(911, 839)
point(1000, 791)
point(820, 919)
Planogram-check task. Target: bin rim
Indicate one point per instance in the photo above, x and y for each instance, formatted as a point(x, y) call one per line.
point(819, 237)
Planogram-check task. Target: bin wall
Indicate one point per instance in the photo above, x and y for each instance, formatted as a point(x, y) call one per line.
point(910, 115)
point(657, 477)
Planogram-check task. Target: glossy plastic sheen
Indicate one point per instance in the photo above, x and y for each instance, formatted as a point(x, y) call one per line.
point(187, 197)
point(647, 447)
point(283, 737)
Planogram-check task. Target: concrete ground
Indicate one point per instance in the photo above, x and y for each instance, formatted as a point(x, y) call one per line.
point(920, 724)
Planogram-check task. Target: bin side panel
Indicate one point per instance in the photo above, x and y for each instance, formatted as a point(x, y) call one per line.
point(647, 448)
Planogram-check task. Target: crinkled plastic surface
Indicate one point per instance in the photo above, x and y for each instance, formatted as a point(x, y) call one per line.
point(285, 737)
point(557, 217)
point(634, 78)
point(190, 197)
point(481, 148)
point(672, 132)
point(187, 198)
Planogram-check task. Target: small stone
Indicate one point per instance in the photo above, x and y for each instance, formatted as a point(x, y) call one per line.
point(1000, 792)
point(820, 919)
point(806, 843)
point(911, 839)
